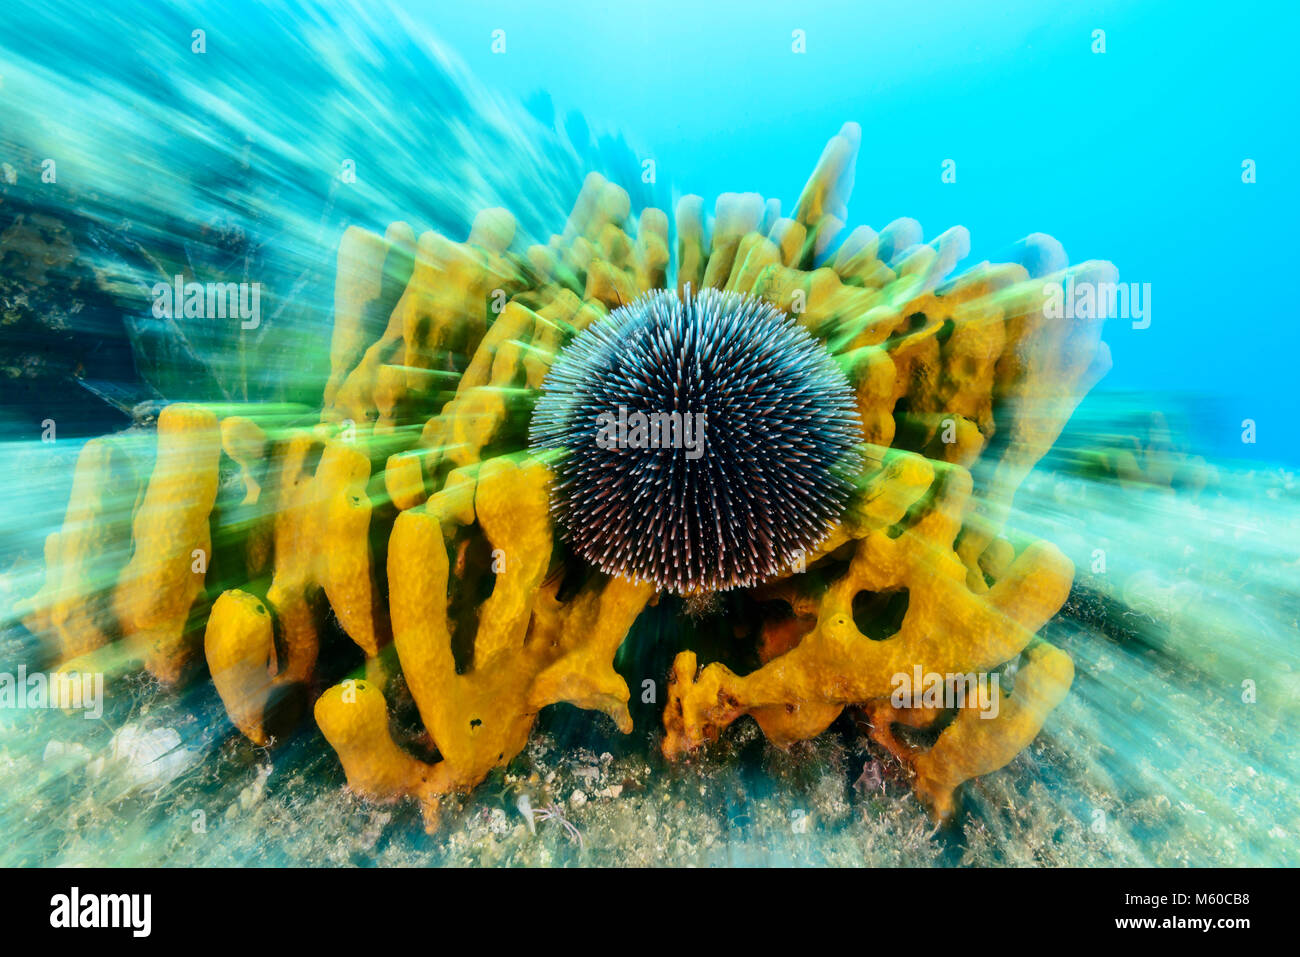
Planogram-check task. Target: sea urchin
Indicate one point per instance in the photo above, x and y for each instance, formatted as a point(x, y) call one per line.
point(706, 443)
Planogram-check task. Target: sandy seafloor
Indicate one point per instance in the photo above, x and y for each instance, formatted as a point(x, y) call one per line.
point(1153, 758)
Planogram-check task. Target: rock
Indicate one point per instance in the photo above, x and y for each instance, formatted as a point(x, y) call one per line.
point(150, 759)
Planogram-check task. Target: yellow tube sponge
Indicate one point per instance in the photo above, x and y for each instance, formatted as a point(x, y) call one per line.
point(359, 282)
point(528, 648)
point(86, 555)
point(159, 586)
point(353, 716)
point(945, 628)
point(240, 647)
point(346, 567)
point(437, 355)
point(977, 741)
point(321, 546)
point(295, 593)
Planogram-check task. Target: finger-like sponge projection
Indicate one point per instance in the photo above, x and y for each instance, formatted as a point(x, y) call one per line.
point(708, 441)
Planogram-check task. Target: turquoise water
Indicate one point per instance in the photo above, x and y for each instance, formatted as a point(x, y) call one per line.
point(1133, 155)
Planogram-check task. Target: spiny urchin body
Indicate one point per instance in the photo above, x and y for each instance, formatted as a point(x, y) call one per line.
point(707, 443)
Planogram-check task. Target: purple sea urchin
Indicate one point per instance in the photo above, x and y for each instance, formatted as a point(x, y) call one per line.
point(707, 443)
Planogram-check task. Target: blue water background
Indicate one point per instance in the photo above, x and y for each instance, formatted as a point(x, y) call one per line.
point(1134, 155)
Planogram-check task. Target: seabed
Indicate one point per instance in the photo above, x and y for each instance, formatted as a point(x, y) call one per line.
point(1153, 759)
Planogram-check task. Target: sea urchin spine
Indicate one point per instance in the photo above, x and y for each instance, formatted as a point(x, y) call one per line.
point(707, 442)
